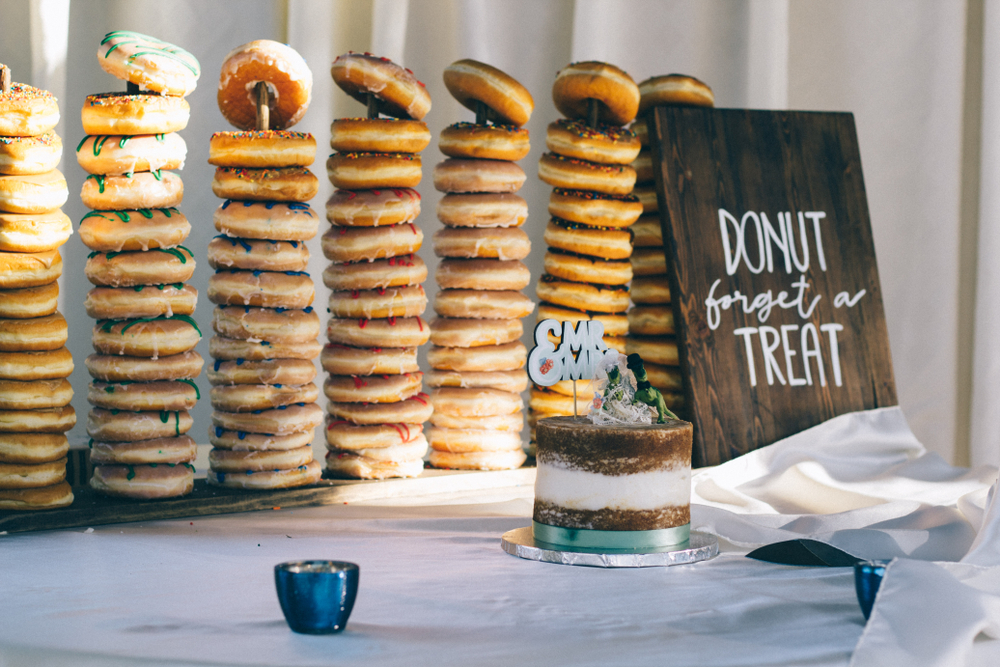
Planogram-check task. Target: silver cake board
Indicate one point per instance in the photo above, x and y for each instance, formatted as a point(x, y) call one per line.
point(521, 543)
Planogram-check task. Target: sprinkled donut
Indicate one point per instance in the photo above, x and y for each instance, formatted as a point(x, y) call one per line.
point(605, 144)
point(132, 114)
point(30, 155)
point(379, 135)
point(565, 172)
point(368, 171)
point(485, 142)
point(149, 62)
point(26, 111)
point(594, 209)
point(581, 268)
point(262, 148)
point(603, 242)
point(288, 79)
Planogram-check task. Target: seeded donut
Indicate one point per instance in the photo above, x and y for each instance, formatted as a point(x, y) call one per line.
point(458, 332)
point(234, 461)
point(471, 82)
point(674, 89)
point(380, 303)
point(234, 349)
point(605, 144)
point(647, 232)
point(39, 232)
point(583, 296)
point(257, 255)
point(269, 371)
point(130, 269)
point(19, 270)
point(150, 337)
point(275, 325)
point(356, 244)
point(392, 272)
point(649, 261)
point(115, 368)
point(119, 303)
point(580, 268)
point(30, 155)
point(338, 359)
point(287, 184)
point(110, 154)
point(38, 333)
point(350, 465)
point(602, 242)
point(144, 229)
point(657, 350)
point(379, 135)
point(32, 447)
point(171, 395)
point(34, 395)
point(143, 482)
point(483, 274)
point(373, 208)
point(505, 460)
point(31, 475)
point(391, 332)
point(614, 325)
point(511, 422)
point(458, 175)
point(262, 148)
point(146, 61)
point(344, 435)
point(279, 421)
point(646, 194)
point(131, 114)
point(650, 290)
point(504, 244)
point(368, 171)
point(304, 475)
point(399, 93)
point(49, 420)
point(145, 189)
point(415, 410)
point(29, 301)
point(615, 91)
point(484, 142)
point(476, 304)
point(512, 381)
point(178, 449)
point(26, 111)
point(250, 397)
point(241, 440)
point(372, 388)
point(482, 210)
point(566, 172)
point(36, 365)
point(33, 193)
point(506, 357)
point(475, 402)
point(288, 77)
point(267, 289)
point(594, 209)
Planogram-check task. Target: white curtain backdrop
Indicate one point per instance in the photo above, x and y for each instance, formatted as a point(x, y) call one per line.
point(921, 77)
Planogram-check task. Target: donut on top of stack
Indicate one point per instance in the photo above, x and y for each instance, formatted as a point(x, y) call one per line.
point(144, 364)
point(478, 359)
point(651, 319)
point(263, 396)
point(34, 394)
point(377, 407)
point(587, 268)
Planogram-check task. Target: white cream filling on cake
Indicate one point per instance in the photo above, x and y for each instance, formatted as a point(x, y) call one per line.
point(580, 490)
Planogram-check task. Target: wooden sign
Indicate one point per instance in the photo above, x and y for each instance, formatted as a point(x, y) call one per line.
point(772, 272)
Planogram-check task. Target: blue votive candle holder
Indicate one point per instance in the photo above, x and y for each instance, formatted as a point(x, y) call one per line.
point(868, 576)
point(316, 596)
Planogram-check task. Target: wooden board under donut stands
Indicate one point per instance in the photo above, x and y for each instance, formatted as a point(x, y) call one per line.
point(772, 270)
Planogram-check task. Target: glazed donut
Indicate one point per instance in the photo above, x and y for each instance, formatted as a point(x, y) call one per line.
point(150, 337)
point(594, 209)
point(38, 498)
point(674, 89)
point(304, 475)
point(649, 261)
point(287, 184)
point(615, 91)
point(32, 475)
point(511, 422)
point(241, 440)
point(122, 114)
point(171, 395)
point(144, 189)
point(605, 243)
point(567, 172)
point(646, 194)
point(115, 368)
point(32, 447)
point(475, 402)
point(120, 303)
point(459, 175)
point(472, 440)
point(406, 452)
point(641, 131)
point(234, 460)
point(268, 289)
point(130, 269)
point(30, 155)
point(483, 274)
point(489, 305)
point(29, 302)
point(38, 232)
point(456, 332)
point(470, 81)
point(368, 171)
point(509, 460)
point(583, 296)
point(41, 365)
point(505, 357)
point(145, 229)
point(380, 303)
point(665, 378)
point(262, 148)
point(379, 135)
point(19, 270)
point(178, 449)
point(279, 421)
point(269, 371)
point(391, 332)
point(580, 268)
point(372, 388)
point(399, 93)
point(232, 349)
point(49, 420)
point(343, 435)
point(33, 193)
point(650, 290)
point(397, 271)
point(643, 166)
point(414, 410)
point(250, 397)
point(482, 210)
point(276, 325)
point(288, 77)
point(338, 359)
point(225, 252)
point(606, 144)
point(484, 142)
point(27, 111)
point(34, 395)
point(470, 243)
point(657, 350)
point(37, 333)
point(146, 61)
point(614, 325)
point(509, 381)
point(355, 466)
point(143, 482)
point(110, 154)
point(356, 244)
point(373, 208)
point(550, 403)
point(647, 232)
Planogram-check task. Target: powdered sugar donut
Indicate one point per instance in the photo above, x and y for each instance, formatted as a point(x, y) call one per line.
point(288, 78)
point(146, 61)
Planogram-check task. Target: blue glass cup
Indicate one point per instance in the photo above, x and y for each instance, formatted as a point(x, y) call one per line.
point(316, 596)
point(868, 576)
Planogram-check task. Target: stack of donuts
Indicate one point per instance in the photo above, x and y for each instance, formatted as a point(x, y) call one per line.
point(587, 267)
point(263, 396)
point(377, 407)
point(651, 320)
point(34, 362)
point(144, 364)
point(478, 359)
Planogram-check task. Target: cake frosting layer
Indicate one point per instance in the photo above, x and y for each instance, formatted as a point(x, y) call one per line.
point(576, 489)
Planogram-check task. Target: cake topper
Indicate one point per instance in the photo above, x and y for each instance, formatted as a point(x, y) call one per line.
point(623, 394)
point(645, 392)
point(581, 348)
